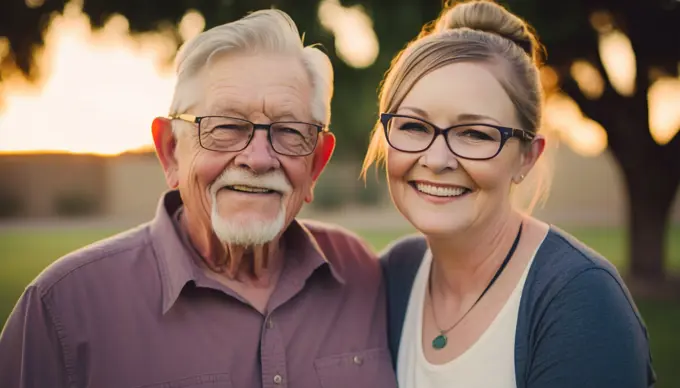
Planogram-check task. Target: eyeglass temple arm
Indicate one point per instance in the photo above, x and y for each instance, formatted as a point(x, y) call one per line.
point(185, 117)
point(524, 135)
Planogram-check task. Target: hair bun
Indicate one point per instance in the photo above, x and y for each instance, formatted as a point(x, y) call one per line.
point(490, 17)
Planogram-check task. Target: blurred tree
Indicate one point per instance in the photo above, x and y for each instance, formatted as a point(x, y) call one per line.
point(570, 31)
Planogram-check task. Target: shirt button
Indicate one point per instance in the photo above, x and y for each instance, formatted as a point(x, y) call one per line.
point(270, 323)
point(358, 360)
point(278, 379)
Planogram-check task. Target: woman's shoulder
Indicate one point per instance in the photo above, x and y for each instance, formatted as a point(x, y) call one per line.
point(567, 270)
point(562, 257)
point(401, 259)
point(577, 301)
point(404, 247)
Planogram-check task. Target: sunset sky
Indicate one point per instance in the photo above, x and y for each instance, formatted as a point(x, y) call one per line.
point(102, 89)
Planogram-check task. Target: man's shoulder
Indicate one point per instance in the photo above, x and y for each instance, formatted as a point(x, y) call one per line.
point(98, 257)
point(341, 244)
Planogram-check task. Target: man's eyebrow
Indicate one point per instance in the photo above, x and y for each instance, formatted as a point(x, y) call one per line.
point(224, 109)
point(227, 112)
point(284, 115)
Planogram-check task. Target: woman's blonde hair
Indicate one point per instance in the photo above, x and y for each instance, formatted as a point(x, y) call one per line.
point(468, 31)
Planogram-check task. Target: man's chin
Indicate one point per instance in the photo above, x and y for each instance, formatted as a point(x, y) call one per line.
point(247, 232)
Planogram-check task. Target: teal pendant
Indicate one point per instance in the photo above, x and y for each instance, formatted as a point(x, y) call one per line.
point(439, 342)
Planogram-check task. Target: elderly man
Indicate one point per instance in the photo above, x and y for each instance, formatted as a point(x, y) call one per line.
point(224, 288)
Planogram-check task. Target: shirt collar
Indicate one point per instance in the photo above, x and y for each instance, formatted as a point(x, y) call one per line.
point(174, 259)
point(177, 267)
point(307, 253)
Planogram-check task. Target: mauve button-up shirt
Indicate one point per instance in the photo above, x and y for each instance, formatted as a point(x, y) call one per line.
point(136, 310)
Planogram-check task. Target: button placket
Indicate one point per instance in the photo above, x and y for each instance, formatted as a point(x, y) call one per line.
point(272, 355)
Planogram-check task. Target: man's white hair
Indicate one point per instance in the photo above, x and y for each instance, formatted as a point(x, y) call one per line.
point(264, 31)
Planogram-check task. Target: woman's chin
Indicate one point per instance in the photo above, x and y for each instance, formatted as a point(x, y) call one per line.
point(437, 226)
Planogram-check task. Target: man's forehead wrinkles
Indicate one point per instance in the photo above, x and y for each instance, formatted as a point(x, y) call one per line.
point(288, 107)
point(274, 106)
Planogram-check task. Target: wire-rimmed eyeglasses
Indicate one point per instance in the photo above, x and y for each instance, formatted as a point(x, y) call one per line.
point(475, 141)
point(230, 134)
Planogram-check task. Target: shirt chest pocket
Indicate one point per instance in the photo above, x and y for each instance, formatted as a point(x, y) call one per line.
point(368, 368)
point(218, 380)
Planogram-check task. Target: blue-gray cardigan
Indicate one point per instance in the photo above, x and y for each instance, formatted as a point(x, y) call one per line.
point(577, 326)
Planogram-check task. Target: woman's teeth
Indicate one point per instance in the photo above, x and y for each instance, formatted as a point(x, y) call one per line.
point(439, 191)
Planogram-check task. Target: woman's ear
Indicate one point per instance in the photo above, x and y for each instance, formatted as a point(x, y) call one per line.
point(530, 157)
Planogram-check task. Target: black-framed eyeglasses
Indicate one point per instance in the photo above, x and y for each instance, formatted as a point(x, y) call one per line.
point(230, 134)
point(475, 141)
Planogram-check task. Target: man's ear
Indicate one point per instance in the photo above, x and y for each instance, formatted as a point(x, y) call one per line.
point(322, 155)
point(165, 142)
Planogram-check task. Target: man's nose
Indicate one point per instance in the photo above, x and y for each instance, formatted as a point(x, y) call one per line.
point(258, 157)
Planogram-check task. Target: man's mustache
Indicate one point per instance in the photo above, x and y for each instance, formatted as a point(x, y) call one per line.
point(274, 181)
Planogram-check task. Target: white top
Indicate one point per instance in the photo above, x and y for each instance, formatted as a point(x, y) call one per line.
point(489, 362)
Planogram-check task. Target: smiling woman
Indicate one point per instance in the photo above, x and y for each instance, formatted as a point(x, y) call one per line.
point(460, 127)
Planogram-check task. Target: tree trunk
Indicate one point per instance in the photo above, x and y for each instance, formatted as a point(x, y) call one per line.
point(651, 196)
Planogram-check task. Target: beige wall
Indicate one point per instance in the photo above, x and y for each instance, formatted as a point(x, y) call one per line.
point(39, 180)
point(134, 185)
point(588, 190)
point(584, 190)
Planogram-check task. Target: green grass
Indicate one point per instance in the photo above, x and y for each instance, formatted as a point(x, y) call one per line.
point(612, 244)
point(26, 253)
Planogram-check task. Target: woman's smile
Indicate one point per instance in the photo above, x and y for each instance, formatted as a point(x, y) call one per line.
point(439, 192)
